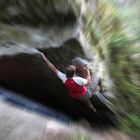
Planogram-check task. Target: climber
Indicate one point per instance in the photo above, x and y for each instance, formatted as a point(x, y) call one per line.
point(96, 82)
point(76, 85)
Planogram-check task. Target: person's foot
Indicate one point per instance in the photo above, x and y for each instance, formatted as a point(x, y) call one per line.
point(93, 109)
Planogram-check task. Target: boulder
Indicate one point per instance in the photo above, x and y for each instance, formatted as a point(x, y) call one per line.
point(38, 12)
point(24, 70)
point(54, 28)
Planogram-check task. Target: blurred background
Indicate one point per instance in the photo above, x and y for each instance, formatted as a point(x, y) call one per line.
point(105, 33)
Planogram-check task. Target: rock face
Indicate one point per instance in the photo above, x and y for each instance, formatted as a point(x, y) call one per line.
point(53, 28)
point(17, 123)
point(24, 70)
point(39, 12)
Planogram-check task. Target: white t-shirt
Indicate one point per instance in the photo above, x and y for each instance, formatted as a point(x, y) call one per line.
point(79, 80)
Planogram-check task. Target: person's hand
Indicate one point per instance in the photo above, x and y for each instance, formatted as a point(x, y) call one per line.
point(85, 65)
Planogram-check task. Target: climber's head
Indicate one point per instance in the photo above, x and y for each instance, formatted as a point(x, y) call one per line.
point(70, 71)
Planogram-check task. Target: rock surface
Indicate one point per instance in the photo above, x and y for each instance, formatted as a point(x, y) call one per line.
point(19, 124)
point(52, 27)
point(24, 70)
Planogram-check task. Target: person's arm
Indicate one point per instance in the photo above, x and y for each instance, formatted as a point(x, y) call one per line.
point(50, 65)
point(87, 74)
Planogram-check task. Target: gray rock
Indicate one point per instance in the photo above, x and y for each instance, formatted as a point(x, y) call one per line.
point(52, 27)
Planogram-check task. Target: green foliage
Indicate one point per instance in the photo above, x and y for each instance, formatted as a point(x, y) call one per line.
point(119, 36)
point(124, 70)
point(131, 125)
point(118, 45)
point(79, 138)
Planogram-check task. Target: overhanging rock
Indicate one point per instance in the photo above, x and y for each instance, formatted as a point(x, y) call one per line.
point(24, 70)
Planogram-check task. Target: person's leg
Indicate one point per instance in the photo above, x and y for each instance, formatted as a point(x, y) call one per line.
point(87, 101)
point(93, 86)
